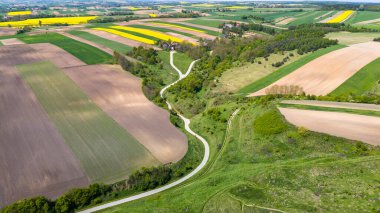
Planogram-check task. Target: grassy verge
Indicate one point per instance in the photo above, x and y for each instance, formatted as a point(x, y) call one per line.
point(331, 109)
point(116, 46)
point(363, 81)
point(84, 52)
point(303, 169)
point(182, 61)
point(271, 78)
point(105, 150)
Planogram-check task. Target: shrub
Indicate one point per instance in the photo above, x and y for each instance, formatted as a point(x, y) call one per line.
point(269, 123)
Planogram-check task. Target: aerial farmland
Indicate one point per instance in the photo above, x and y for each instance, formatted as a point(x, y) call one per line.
point(196, 106)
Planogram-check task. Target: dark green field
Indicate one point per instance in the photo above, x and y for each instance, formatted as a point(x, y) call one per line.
point(84, 52)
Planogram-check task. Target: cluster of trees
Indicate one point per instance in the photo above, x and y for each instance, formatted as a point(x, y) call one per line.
point(241, 28)
point(111, 19)
point(180, 15)
point(376, 39)
point(25, 29)
point(259, 18)
point(149, 178)
point(72, 200)
point(149, 56)
point(120, 13)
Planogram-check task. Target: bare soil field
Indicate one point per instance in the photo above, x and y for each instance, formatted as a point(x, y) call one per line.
point(34, 159)
point(29, 53)
point(119, 39)
point(11, 41)
point(355, 127)
point(186, 38)
point(368, 22)
point(286, 21)
point(343, 105)
point(324, 74)
point(196, 25)
point(324, 15)
point(7, 31)
point(119, 94)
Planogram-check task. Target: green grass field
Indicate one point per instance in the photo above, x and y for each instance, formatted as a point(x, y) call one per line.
point(362, 82)
point(116, 46)
point(269, 79)
point(347, 38)
point(162, 30)
point(307, 18)
point(84, 52)
point(331, 109)
point(209, 23)
point(292, 171)
point(363, 16)
point(105, 150)
point(182, 61)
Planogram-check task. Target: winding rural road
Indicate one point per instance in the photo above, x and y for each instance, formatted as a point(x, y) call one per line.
point(188, 129)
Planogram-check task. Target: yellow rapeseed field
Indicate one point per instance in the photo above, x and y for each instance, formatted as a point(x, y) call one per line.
point(48, 21)
point(176, 26)
point(159, 35)
point(126, 35)
point(152, 15)
point(19, 13)
point(342, 17)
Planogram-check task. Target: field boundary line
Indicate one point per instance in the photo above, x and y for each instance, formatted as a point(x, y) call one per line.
point(188, 129)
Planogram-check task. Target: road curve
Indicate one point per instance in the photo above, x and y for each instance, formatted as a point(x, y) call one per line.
point(188, 129)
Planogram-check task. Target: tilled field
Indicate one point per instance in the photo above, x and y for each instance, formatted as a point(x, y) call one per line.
point(119, 94)
point(324, 74)
point(34, 159)
point(355, 127)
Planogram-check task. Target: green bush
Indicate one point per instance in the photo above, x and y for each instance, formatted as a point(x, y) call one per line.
point(269, 123)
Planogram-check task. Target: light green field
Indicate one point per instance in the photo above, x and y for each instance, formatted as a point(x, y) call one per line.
point(116, 46)
point(105, 150)
point(367, 80)
point(293, 171)
point(269, 79)
point(347, 38)
point(191, 27)
point(361, 16)
point(84, 52)
point(182, 61)
point(307, 18)
point(240, 76)
point(209, 23)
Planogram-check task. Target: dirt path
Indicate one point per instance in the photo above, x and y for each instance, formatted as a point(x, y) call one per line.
point(342, 105)
point(368, 22)
point(355, 127)
point(183, 179)
point(324, 74)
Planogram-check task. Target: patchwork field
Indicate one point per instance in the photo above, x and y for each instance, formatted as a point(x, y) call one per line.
point(348, 38)
point(326, 73)
point(30, 144)
point(356, 127)
point(119, 95)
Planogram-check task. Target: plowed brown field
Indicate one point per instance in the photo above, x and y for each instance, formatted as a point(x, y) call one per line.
point(34, 159)
point(324, 74)
point(119, 94)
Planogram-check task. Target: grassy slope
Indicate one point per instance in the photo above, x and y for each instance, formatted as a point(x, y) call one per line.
point(122, 48)
point(209, 23)
point(182, 61)
point(363, 81)
point(331, 109)
point(272, 171)
point(269, 79)
point(84, 52)
point(106, 151)
point(363, 16)
point(162, 30)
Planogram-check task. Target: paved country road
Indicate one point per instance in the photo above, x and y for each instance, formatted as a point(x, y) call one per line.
point(188, 129)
